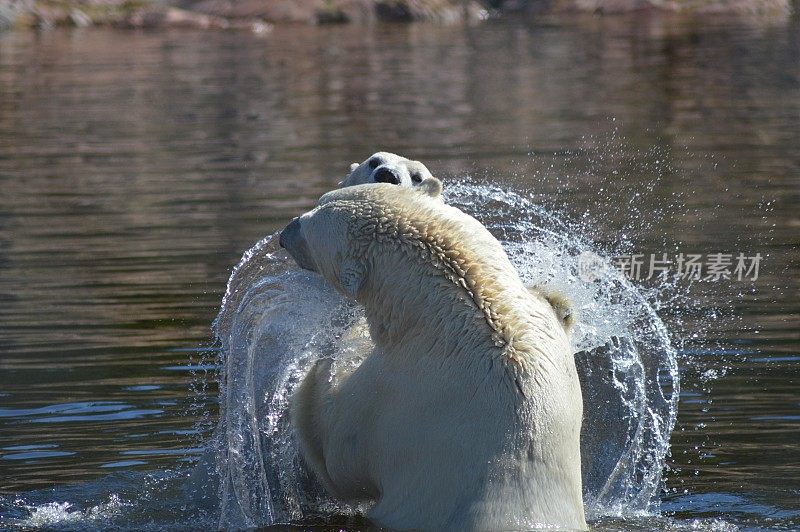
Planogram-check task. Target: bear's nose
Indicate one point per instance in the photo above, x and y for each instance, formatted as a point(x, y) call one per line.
point(386, 175)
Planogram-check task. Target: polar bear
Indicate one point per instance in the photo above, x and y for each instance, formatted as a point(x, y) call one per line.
point(467, 414)
point(385, 167)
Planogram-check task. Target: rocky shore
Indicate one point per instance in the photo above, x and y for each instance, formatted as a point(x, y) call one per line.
point(259, 15)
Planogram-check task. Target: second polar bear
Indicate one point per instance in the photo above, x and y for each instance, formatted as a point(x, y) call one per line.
point(467, 414)
point(385, 167)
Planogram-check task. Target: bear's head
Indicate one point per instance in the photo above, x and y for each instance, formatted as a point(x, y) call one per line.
point(385, 167)
point(332, 239)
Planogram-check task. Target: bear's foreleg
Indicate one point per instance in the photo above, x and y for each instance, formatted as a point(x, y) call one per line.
point(307, 408)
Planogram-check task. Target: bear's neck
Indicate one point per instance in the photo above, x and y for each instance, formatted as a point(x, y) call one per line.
point(441, 312)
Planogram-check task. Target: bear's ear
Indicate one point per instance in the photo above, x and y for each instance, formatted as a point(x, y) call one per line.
point(561, 306)
point(351, 276)
point(352, 168)
point(431, 186)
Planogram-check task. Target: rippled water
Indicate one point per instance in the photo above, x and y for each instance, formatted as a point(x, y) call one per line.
point(136, 168)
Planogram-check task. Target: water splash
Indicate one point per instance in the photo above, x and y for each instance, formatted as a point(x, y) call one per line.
point(65, 515)
point(276, 320)
point(130, 500)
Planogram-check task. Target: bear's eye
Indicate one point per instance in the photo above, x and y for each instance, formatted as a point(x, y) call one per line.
point(374, 163)
point(416, 178)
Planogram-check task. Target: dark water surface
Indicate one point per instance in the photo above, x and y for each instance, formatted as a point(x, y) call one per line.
point(135, 168)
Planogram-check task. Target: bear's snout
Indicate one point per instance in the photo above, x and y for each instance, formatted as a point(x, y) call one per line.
point(293, 227)
point(291, 239)
point(385, 174)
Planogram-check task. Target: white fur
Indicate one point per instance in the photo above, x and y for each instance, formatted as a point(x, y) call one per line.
point(467, 414)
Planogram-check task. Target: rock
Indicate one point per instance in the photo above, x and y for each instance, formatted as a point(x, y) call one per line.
point(338, 11)
point(442, 11)
point(730, 7)
point(255, 15)
point(48, 13)
point(276, 11)
point(80, 19)
point(172, 17)
point(332, 13)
